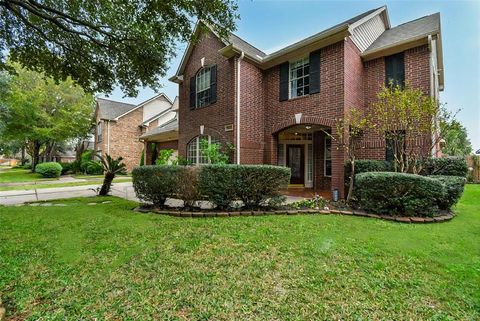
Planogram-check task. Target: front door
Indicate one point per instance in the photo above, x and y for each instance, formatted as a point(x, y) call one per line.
point(296, 162)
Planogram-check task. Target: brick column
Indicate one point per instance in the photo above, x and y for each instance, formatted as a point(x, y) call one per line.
point(148, 153)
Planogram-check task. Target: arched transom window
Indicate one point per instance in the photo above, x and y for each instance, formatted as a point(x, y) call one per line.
point(194, 154)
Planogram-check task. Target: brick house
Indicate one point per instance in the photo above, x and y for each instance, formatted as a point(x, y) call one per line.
point(275, 108)
point(119, 126)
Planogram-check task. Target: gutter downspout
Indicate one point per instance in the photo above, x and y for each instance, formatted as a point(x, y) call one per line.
point(242, 55)
point(108, 137)
point(434, 152)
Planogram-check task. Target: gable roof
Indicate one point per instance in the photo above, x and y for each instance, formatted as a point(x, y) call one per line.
point(144, 103)
point(170, 126)
point(421, 27)
point(111, 109)
point(234, 44)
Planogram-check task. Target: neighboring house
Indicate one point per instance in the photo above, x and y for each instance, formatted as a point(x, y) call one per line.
point(275, 107)
point(120, 125)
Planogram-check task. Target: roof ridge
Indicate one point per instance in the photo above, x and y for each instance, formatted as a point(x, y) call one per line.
point(115, 101)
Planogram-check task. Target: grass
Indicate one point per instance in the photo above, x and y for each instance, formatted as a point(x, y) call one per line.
point(67, 184)
point(15, 175)
point(106, 262)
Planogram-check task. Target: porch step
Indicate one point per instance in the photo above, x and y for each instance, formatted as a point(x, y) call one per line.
point(296, 186)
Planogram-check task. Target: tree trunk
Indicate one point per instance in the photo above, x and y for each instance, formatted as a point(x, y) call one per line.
point(79, 149)
point(23, 161)
point(350, 187)
point(35, 154)
point(107, 183)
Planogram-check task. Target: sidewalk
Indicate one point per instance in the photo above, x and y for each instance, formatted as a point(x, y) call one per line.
point(124, 190)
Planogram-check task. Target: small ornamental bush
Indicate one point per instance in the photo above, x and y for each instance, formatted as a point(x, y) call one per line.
point(154, 183)
point(94, 168)
point(49, 169)
point(398, 193)
point(254, 185)
point(453, 190)
point(446, 166)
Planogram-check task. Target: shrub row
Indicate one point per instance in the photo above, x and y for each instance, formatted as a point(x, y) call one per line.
point(49, 169)
point(446, 166)
point(407, 194)
point(254, 185)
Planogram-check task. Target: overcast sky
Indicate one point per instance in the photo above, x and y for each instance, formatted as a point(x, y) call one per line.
point(271, 25)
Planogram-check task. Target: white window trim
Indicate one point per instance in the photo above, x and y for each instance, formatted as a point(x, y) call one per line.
point(290, 77)
point(204, 71)
point(197, 150)
point(325, 155)
point(100, 132)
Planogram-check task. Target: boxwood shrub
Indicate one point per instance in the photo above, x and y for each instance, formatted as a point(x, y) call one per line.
point(49, 169)
point(254, 185)
point(453, 190)
point(446, 166)
point(154, 183)
point(398, 193)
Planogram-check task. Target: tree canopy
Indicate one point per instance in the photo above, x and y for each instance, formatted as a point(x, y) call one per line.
point(456, 139)
point(42, 113)
point(104, 43)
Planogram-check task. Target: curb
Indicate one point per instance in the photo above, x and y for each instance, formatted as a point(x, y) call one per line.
point(399, 219)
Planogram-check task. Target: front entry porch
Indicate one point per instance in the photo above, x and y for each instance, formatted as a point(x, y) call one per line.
point(307, 151)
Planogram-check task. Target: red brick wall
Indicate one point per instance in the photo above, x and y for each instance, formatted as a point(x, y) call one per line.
point(326, 105)
point(252, 114)
point(124, 138)
point(215, 116)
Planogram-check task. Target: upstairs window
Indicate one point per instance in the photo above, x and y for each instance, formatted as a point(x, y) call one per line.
point(395, 70)
point(99, 132)
point(203, 87)
point(300, 78)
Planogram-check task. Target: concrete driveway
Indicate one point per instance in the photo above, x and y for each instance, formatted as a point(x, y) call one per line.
point(124, 190)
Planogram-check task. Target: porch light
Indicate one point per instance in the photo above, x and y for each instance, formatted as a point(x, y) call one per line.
point(308, 127)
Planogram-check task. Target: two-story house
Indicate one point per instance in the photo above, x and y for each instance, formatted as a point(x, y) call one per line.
point(275, 108)
point(120, 126)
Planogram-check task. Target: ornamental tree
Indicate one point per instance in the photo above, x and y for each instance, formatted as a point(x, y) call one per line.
point(104, 43)
point(408, 119)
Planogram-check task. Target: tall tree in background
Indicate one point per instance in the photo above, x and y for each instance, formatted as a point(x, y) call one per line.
point(456, 139)
point(104, 43)
point(42, 113)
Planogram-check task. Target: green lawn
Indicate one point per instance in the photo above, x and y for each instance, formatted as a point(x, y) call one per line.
point(68, 184)
point(106, 262)
point(15, 175)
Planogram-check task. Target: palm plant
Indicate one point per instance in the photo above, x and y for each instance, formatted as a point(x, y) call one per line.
point(111, 167)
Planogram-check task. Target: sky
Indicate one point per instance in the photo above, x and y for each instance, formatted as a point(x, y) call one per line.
point(271, 25)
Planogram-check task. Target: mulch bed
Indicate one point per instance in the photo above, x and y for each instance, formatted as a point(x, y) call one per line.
point(443, 217)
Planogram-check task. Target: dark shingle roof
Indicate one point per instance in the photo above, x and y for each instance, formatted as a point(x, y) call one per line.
point(419, 27)
point(110, 109)
point(245, 46)
point(171, 125)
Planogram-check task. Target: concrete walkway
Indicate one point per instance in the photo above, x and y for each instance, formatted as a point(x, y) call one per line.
point(124, 190)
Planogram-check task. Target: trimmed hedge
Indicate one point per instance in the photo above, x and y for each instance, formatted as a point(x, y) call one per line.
point(154, 183)
point(49, 169)
point(446, 166)
point(366, 166)
point(453, 190)
point(399, 193)
point(254, 185)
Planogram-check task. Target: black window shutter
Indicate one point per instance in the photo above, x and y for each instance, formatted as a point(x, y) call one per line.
point(284, 69)
point(193, 94)
point(395, 69)
point(314, 72)
point(213, 84)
